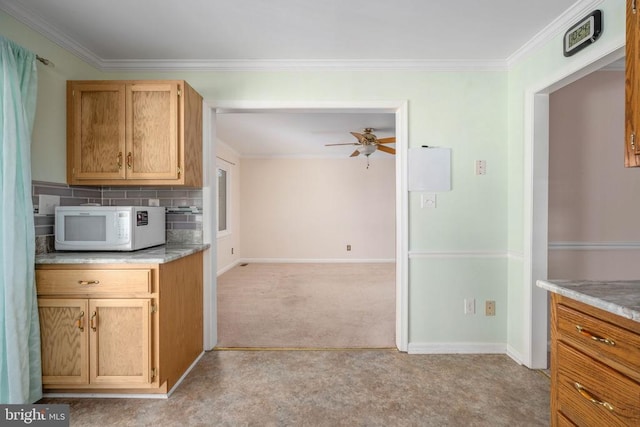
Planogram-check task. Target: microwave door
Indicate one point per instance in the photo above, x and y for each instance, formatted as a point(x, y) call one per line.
point(85, 228)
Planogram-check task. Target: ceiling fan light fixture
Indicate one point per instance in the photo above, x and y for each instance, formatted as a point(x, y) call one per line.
point(367, 150)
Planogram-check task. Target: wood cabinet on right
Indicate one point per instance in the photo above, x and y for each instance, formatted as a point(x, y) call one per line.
point(595, 366)
point(632, 87)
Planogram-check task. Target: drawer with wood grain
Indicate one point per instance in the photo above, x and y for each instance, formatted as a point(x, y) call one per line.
point(592, 394)
point(615, 346)
point(94, 282)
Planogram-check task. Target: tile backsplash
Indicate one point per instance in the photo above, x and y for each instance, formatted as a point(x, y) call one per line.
point(182, 227)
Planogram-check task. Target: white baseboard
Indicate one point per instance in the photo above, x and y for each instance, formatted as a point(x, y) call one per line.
point(193, 365)
point(227, 268)
point(315, 260)
point(301, 261)
point(457, 348)
point(515, 355)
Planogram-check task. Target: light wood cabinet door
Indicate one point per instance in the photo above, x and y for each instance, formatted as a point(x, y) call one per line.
point(152, 131)
point(96, 127)
point(120, 341)
point(632, 87)
point(134, 132)
point(64, 332)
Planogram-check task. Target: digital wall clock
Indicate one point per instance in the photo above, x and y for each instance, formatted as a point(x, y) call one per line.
point(584, 33)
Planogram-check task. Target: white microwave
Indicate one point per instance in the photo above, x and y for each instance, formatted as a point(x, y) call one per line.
point(108, 228)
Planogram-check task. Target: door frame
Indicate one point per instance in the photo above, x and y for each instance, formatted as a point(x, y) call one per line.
point(399, 108)
point(536, 195)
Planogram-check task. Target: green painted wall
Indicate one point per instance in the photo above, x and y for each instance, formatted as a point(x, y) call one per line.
point(477, 114)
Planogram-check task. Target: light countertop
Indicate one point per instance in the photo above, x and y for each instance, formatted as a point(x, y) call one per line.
point(155, 255)
point(621, 297)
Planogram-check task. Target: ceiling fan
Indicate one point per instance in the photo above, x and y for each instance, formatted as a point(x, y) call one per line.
point(368, 143)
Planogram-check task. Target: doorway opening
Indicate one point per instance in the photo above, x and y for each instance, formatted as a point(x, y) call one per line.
point(399, 111)
point(536, 201)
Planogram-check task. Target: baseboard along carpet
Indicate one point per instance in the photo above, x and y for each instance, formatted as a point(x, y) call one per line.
point(345, 305)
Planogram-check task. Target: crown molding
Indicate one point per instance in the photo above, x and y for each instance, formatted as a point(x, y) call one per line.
point(302, 64)
point(579, 9)
point(32, 20)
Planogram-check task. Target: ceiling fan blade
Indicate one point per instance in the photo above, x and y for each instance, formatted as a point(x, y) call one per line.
point(358, 136)
point(346, 143)
point(355, 153)
point(389, 140)
point(386, 149)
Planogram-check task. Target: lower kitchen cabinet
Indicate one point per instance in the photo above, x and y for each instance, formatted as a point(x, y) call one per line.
point(595, 366)
point(121, 327)
point(95, 341)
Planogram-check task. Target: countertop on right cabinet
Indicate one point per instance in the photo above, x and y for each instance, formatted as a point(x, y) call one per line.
point(595, 352)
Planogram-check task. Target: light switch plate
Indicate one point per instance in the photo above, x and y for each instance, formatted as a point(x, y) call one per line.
point(47, 204)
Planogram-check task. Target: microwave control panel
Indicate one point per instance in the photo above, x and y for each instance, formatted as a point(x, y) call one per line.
point(123, 226)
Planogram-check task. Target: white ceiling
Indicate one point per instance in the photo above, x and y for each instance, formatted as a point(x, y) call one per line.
point(192, 31)
point(249, 34)
point(304, 134)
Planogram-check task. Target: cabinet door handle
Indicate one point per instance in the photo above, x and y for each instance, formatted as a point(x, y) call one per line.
point(587, 395)
point(93, 320)
point(79, 321)
point(88, 282)
point(120, 160)
point(588, 334)
point(129, 160)
point(634, 9)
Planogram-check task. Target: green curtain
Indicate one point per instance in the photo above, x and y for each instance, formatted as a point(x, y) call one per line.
point(20, 365)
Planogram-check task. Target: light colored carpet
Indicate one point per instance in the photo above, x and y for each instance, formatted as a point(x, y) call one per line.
point(307, 305)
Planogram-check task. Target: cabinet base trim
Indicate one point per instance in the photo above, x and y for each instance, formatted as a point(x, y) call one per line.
point(193, 365)
point(123, 394)
point(108, 395)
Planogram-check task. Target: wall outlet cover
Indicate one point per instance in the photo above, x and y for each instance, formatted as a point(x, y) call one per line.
point(47, 204)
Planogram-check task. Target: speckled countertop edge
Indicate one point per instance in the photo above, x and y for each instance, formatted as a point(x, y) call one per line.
point(621, 297)
point(155, 255)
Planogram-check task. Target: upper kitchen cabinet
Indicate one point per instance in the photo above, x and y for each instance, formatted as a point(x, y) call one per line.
point(632, 87)
point(134, 133)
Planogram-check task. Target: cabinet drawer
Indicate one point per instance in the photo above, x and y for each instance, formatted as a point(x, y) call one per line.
point(610, 344)
point(94, 282)
point(563, 421)
point(590, 393)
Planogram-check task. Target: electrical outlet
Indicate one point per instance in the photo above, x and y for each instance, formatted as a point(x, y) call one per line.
point(490, 308)
point(231, 251)
point(469, 306)
point(154, 202)
point(348, 248)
